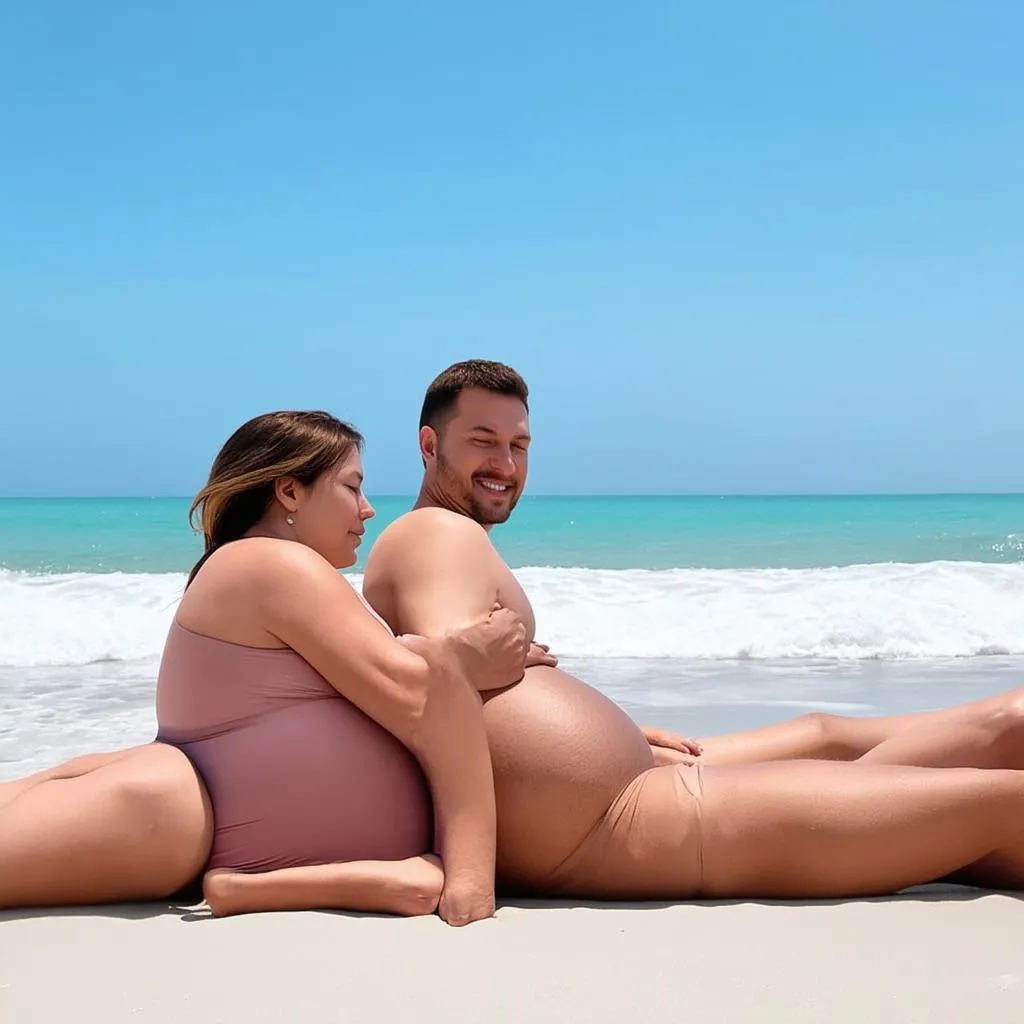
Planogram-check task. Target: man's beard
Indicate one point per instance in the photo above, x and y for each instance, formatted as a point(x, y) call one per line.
point(454, 488)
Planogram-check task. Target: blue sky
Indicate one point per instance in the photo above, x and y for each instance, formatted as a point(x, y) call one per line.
point(734, 247)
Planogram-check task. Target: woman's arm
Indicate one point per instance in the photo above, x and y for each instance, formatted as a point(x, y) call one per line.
point(424, 701)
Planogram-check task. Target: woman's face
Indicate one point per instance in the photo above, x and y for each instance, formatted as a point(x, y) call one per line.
point(330, 513)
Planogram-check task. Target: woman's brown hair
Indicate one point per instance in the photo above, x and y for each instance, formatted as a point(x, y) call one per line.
point(303, 445)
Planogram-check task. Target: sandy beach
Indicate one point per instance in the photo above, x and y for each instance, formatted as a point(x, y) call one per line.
point(936, 953)
point(932, 954)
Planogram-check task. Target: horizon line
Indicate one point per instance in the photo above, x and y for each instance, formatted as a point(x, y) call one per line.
point(650, 494)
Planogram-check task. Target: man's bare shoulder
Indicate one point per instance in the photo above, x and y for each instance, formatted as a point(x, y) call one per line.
point(438, 524)
point(426, 544)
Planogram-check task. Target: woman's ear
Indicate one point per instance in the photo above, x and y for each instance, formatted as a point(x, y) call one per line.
point(285, 491)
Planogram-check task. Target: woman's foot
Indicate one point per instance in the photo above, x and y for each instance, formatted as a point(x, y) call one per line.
point(414, 885)
point(407, 888)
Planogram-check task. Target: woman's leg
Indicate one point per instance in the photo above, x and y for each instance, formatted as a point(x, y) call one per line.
point(137, 827)
point(408, 888)
point(81, 765)
point(817, 829)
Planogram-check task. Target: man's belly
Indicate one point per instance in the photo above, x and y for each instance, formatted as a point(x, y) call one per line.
point(562, 753)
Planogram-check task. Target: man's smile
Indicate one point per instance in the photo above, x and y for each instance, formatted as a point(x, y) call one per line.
point(495, 486)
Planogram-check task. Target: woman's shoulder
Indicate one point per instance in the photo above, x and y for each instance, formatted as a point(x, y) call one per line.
point(248, 585)
point(255, 562)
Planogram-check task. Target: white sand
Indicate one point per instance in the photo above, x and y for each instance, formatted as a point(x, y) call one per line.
point(936, 954)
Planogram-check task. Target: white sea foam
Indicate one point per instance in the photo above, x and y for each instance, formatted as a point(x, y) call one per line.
point(78, 618)
point(884, 611)
point(890, 611)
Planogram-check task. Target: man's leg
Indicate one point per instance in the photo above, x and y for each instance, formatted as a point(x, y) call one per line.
point(987, 733)
point(800, 829)
point(814, 829)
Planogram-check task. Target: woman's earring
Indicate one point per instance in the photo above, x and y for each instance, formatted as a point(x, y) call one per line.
point(290, 521)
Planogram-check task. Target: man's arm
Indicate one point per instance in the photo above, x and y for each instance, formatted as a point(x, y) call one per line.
point(433, 572)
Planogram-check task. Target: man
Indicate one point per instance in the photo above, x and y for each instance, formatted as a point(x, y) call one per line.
point(582, 808)
point(435, 569)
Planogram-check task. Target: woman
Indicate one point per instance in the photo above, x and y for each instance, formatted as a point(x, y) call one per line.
point(307, 721)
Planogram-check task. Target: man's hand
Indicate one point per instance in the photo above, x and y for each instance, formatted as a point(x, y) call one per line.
point(669, 748)
point(540, 654)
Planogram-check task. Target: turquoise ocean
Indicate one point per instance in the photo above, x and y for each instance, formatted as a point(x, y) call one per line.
point(708, 613)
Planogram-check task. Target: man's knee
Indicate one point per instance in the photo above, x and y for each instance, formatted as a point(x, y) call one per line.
point(1006, 717)
point(829, 737)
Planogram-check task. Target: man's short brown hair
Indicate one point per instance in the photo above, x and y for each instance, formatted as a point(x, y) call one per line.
point(445, 388)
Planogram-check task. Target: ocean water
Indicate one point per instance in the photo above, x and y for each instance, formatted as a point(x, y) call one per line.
point(706, 613)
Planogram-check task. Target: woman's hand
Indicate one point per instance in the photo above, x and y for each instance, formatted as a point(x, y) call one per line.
point(463, 904)
point(492, 651)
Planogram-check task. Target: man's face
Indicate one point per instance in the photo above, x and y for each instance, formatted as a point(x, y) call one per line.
point(481, 455)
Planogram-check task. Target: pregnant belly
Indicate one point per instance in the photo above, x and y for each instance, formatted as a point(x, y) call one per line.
point(562, 752)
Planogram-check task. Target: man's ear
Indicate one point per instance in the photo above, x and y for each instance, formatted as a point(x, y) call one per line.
point(428, 443)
